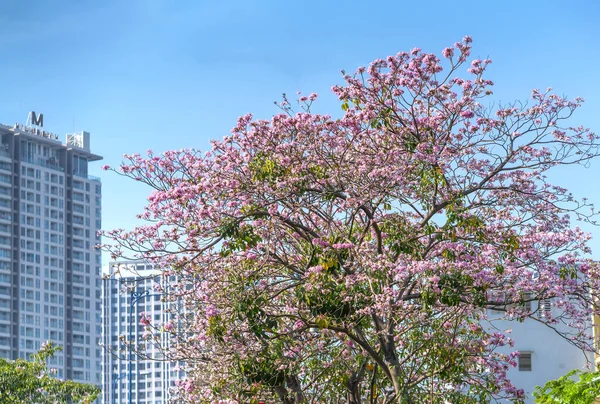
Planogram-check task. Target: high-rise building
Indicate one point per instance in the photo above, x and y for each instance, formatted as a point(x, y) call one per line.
point(50, 272)
point(135, 289)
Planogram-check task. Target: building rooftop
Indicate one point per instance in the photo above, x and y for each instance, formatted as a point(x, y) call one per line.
point(77, 142)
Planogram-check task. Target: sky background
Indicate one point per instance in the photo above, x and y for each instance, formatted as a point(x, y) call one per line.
point(165, 75)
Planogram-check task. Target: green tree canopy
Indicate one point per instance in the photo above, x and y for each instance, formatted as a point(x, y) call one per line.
point(23, 381)
point(566, 389)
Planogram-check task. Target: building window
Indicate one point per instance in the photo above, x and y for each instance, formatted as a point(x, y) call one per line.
point(525, 362)
point(527, 297)
point(544, 309)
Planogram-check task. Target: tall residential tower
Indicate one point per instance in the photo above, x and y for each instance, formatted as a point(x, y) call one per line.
point(135, 288)
point(50, 273)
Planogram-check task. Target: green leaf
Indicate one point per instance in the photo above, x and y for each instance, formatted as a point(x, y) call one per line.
point(322, 322)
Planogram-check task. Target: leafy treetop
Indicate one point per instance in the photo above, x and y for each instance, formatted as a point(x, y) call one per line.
point(25, 382)
point(352, 260)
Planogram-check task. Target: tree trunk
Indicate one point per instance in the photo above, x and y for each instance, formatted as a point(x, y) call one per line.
point(294, 385)
point(396, 381)
point(353, 386)
point(283, 395)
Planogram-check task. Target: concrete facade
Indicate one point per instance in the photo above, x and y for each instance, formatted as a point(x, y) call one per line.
point(50, 272)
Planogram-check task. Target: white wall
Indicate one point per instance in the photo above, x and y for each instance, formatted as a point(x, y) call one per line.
point(551, 355)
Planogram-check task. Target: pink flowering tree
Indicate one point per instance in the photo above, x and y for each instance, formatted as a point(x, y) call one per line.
point(354, 259)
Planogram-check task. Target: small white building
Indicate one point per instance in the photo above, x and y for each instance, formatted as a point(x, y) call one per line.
point(545, 355)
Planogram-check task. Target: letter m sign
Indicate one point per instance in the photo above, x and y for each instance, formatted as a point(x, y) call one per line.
point(36, 120)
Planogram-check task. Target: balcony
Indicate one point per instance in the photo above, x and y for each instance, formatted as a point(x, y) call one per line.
point(86, 176)
point(4, 147)
point(51, 162)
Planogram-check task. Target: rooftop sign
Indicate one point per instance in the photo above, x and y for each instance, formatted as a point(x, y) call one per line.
point(34, 119)
point(34, 124)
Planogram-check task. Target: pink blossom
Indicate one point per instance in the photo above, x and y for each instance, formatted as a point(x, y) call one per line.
point(145, 320)
point(211, 311)
point(448, 52)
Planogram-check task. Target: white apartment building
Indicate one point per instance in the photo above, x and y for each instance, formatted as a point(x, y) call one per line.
point(134, 287)
point(50, 273)
point(545, 355)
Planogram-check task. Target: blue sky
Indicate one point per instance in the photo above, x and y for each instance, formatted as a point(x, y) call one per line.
point(160, 75)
